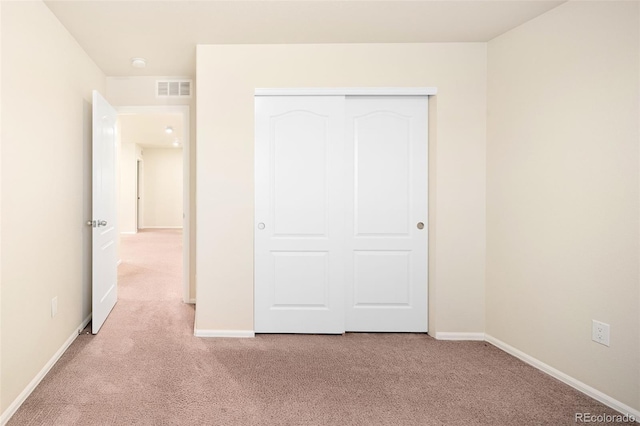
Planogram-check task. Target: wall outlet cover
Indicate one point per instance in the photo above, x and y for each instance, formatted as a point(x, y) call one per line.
point(600, 332)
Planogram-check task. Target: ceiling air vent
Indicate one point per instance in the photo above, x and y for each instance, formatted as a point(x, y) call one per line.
point(173, 88)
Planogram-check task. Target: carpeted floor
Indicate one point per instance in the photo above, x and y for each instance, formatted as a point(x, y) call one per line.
point(146, 368)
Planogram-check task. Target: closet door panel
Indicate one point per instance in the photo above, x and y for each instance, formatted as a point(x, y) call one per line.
point(386, 184)
point(299, 221)
point(382, 169)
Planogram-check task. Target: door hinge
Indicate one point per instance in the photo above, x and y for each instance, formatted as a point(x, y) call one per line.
point(96, 223)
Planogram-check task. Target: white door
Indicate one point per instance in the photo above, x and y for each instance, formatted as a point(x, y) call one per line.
point(341, 214)
point(105, 236)
point(299, 221)
point(386, 227)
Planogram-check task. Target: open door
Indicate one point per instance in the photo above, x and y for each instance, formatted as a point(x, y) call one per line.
point(105, 235)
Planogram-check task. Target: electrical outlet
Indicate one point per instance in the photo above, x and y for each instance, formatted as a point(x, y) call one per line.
point(600, 332)
point(54, 306)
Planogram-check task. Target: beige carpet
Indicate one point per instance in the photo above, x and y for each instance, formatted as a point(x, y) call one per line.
point(146, 368)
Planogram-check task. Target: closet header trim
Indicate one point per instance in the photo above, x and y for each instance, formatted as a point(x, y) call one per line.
point(348, 91)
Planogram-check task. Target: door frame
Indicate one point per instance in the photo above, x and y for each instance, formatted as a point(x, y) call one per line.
point(430, 93)
point(139, 193)
point(347, 91)
point(186, 187)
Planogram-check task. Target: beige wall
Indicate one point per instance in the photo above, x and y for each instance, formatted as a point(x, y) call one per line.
point(162, 188)
point(140, 91)
point(227, 76)
point(562, 192)
point(127, 195)
point(46, 93)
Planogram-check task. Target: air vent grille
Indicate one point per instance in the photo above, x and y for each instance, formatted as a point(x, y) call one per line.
point(173, 88)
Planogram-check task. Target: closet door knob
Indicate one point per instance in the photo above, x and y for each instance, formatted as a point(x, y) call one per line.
point(261, 226)
point(420, 225)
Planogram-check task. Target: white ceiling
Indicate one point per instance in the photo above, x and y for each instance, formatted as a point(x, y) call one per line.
point(166, 32)
point(148, 130)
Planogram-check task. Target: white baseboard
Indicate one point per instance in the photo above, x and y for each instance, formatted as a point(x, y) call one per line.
point(128, 232)
point(459, 336)
point(192, 301)
point(574, 383)
point(11, 410)
point(224, 333)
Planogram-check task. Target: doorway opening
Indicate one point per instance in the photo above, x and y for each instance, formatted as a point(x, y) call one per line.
point(154, 171)
point(139, 189)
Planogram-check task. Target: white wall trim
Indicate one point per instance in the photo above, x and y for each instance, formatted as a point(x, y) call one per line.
point(11, 410)
point(347, 91)
point(128, 232)
point(224, 333)
point(565, 378)
point(191, 301)
point(459, 336)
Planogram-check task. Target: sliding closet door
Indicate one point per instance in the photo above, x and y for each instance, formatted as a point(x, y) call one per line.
point(386, 226)
point(299, 215)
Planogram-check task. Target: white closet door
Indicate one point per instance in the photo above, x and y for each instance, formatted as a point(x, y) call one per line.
point(386, 225)
point(299, 221)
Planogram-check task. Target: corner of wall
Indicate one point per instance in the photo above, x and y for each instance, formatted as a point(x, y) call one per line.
point(638, 404)
point(558, 225)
